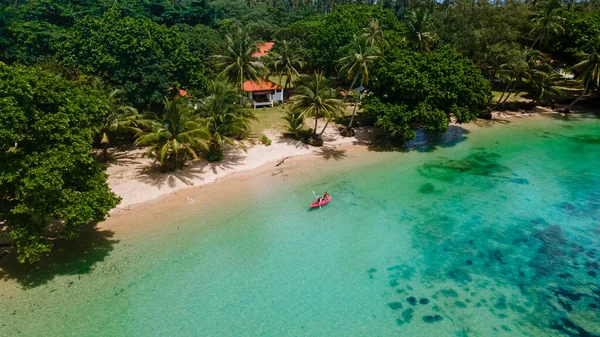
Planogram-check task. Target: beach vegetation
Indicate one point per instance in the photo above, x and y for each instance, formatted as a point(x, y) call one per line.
point(224, 116)
point(50, 183)
point(175, 135)
point(172, 72)
point(317, 99)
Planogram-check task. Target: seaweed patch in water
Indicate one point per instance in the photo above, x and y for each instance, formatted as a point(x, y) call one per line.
point(424, 301)
point(407, 314)
point(411, 300)
point(427, 188)
point(460, 304)
point(395, 305)
point(480, 162)
point(520, 181)
point(432, 318)
point(449, 293)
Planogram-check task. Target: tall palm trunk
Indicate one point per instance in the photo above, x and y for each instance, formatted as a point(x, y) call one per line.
point(502, 96)
point(347, 92)
point(580, 96)
point(324, 128)
point(355, 105)
point(105, 152)
point(510, 93)
point(316, 120)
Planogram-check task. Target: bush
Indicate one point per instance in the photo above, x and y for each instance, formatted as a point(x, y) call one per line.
point(265, 140)
point(214, 154)
point(295, 124)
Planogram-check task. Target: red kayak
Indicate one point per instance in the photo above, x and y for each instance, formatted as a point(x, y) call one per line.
point(321, 203)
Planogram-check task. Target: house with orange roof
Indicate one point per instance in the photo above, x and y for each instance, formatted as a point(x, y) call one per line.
point(263, 92)
point(263, 48)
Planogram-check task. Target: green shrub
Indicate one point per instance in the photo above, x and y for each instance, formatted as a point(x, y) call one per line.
point(265, 140)
point(214, 154)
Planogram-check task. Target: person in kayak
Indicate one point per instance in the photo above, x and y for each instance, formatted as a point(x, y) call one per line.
point(325, 196)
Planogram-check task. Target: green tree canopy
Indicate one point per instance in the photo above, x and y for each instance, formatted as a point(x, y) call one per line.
point(50, 184)
point(411, 90)
point(138, 55)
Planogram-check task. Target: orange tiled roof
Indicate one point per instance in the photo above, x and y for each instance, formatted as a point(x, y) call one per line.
point(182, 92)
point(262, 84)
point(263, 49)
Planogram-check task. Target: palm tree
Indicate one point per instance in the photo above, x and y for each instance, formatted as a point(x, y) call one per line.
point(175, 135)
point(515, 71)
point(285, 60)
point(316, 99)
point(360, 55)
point(373, 34)
point(543, 81)
point(237, 63)
point(588, 69)
point(420, 30)
point(224, 116)
point(547, 23)
point(295, 123)
point(120, 117)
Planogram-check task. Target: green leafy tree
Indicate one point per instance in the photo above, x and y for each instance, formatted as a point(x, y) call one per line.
point(224, 117)
point(238, 62)
point(175, 136)
point(316, 98)
point(136, 54)
point(50, 184)
point(285, 60)
point(412, 90)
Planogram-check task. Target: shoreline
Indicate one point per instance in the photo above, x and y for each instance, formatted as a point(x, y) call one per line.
point(139, 182)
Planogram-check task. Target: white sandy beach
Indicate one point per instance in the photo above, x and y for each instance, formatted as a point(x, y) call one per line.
point(137, 179)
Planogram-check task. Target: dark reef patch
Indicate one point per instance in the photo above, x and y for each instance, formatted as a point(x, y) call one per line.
point(395, 305)
point(427, 188)
point(408, 314)
point(460, 304)
point(432, 318)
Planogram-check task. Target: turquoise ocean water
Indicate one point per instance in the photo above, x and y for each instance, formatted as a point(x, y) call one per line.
point(495, 232)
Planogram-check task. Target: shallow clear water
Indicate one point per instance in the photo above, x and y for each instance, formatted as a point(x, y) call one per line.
point(494, 233)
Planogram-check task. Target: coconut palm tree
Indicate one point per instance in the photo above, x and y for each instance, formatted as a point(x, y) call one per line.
point(420, 30)
point(175, 135)
point(120, 117)
point(237, 62)
point(285, 60)
point(360, 56)
point(547, 23)
point(588, 69)
point(516, 70)
point(316, 99)
point(224, 117)
point(542, 82)
point(373, 34)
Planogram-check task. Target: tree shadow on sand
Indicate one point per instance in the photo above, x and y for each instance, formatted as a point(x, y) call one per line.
point(77, 257)
point(331, 153)
point(191, 172)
